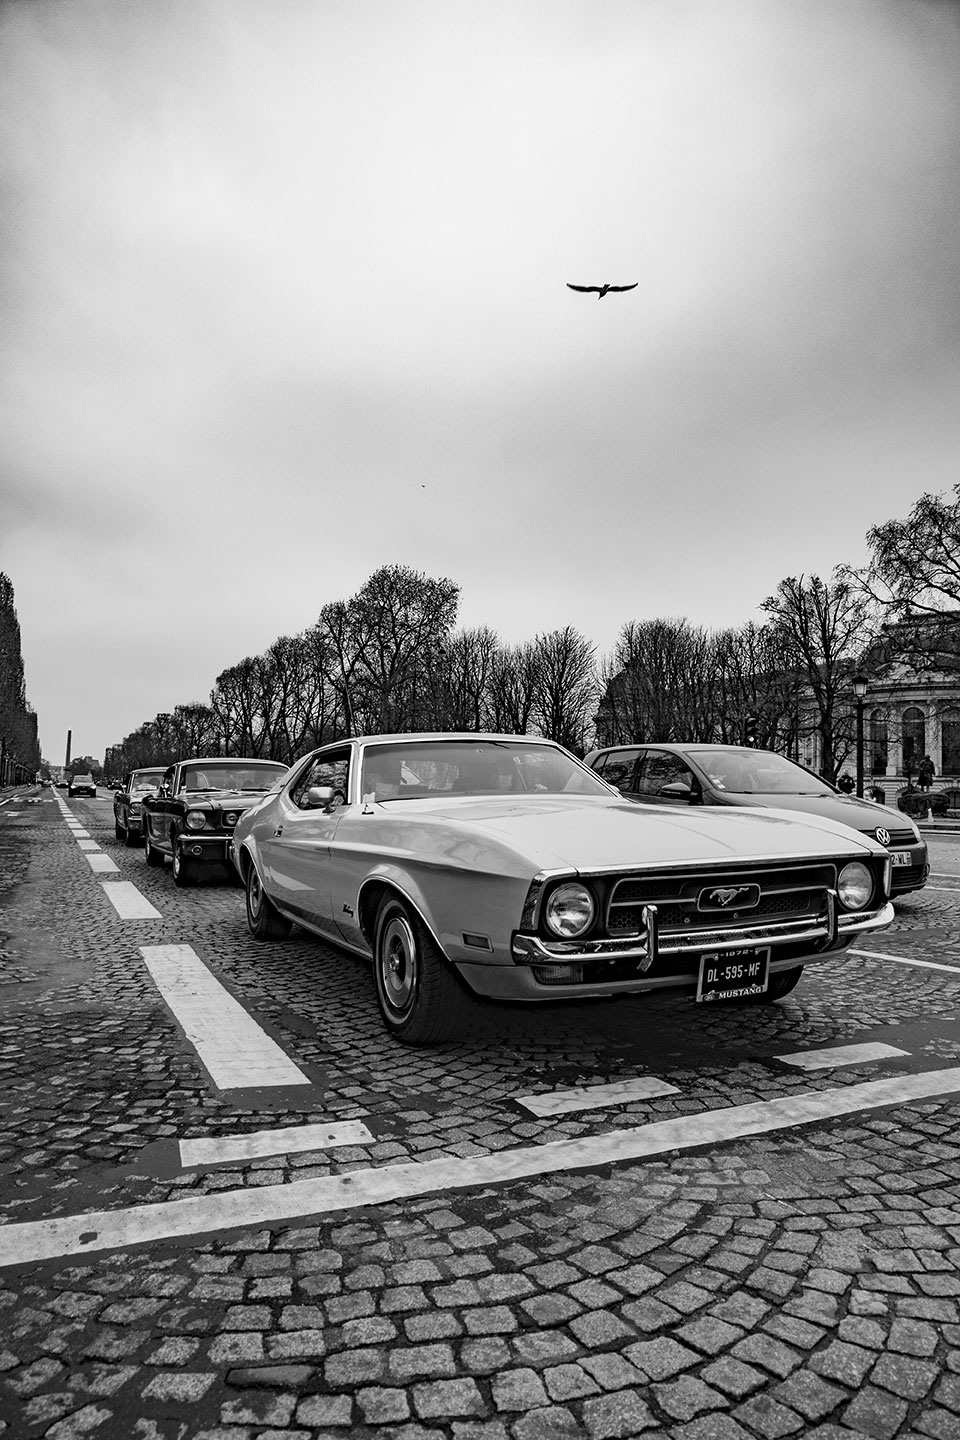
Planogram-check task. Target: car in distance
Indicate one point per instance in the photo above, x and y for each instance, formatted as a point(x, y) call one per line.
point(81, 785)
point(501, 866)
point(693, 774)
point(128, 801)
point(192, 815)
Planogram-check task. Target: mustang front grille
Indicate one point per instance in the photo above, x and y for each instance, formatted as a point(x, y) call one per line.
point(691, 901)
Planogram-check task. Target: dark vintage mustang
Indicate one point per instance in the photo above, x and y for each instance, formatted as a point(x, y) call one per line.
point(502, 866)
point(197, 804)
point(128, 802)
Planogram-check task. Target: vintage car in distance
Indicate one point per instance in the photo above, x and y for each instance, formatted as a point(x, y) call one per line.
point(693, 774)
point(501, 866)
point(197, 803)
point(81, 785)
point(128, 800)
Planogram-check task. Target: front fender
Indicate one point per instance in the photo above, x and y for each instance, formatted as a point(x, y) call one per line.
point(471, 915)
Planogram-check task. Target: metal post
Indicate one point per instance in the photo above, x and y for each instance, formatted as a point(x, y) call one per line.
point(860, 747)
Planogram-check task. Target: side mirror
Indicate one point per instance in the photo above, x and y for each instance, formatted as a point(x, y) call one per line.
point(319, 797)
point(677, 790)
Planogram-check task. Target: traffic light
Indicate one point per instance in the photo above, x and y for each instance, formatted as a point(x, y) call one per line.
point(750, 729)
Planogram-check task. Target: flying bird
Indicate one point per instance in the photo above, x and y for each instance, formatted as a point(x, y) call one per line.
point(601, 290)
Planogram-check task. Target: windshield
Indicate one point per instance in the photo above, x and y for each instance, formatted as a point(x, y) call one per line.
point(757, 772)
point(472, 767)
point(248, 778)
point(146, 781)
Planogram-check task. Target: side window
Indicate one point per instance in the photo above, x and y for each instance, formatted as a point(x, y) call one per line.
point(331, 769)
point(659, 768)
point(617, 768)
point(166, 784)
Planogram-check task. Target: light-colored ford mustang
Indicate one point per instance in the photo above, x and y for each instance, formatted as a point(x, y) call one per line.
point(500, 865)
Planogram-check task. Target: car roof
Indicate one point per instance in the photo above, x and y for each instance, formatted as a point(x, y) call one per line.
point(435, 735)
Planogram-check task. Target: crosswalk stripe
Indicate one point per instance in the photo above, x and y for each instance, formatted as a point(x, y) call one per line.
point(28, 1242)
point(595, 1097)
point(228, 1041)
point(829, 1058)
point(291, 1140)
point(128, 901)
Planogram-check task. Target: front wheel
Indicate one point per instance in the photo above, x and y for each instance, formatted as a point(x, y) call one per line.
point(421, 999)
point(780, 984)
point(264, 920)
point(119, 831)
point(185, 872)
point(153, 855)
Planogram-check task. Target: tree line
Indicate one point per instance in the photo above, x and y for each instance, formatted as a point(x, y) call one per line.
point(19, 745)
point(391, 659)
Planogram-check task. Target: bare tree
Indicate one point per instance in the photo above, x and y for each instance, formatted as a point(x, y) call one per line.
point(566, 693)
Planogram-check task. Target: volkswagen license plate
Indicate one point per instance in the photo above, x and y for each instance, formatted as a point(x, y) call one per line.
point(900, 857)
point(733, 974)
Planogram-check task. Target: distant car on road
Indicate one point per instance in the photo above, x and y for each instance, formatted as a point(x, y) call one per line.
point(692, 774)
point(197, 804)
point(500, 865)
point(128, 802)
point(82, 785)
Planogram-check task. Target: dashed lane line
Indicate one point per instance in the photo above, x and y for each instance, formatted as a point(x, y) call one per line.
point(101, 864)
point(836, 1055)
point(87, 845)
point(594, 1097)
point(128, 901)
point(906, 960)
point(229, 1042)
point(29, 1242)
point(293, 1139)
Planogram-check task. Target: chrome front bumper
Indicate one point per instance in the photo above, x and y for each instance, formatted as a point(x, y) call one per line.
point(820, 931)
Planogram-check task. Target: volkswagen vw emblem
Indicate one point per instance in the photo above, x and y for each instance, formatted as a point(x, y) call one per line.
point(882, 835)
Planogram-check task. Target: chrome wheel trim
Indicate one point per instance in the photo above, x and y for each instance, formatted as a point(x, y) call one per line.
point(177, 859)
point(398, 965)
point(254, 893)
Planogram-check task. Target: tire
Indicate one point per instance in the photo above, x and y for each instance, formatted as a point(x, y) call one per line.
point(132, 837)
point(185, 872)
point(780, 984)
point(421, 999)
point(263, 918)
point(119, 831)
point(154, 857)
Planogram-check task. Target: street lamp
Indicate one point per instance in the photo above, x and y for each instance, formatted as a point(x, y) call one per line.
point(860, 683)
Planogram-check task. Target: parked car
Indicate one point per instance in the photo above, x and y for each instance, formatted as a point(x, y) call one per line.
point(128, 802)
point(504, 867)
point(195, 808)
point(81, 785)
point(692, 774)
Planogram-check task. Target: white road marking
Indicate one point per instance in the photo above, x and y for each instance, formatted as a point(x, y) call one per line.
point(29, 1242)
point(128, 902)
point(827, 1059)
point(905, 960)
point(101, 864)
point(78, 832)
point(12, 814)
point(944, 889)
point(595, 1097)
point(289, 1141)
point(87, 845)
point(229, 1042)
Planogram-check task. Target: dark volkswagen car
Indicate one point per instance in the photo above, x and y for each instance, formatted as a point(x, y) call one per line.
point(192, 816)
point(128, 802)
point(694, 774)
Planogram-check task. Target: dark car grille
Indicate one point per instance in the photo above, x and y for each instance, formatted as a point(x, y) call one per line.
point(898, 838)
point(784, 893)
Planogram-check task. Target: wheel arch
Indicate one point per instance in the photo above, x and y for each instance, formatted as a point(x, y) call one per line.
point(371, 894)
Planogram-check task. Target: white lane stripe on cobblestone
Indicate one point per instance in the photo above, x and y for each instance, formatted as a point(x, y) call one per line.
point(289, 1141)
point(595, 1097)
point(906, 960)
point(830, 1057)
point(87, 845)
point(229, 1042)
point(28, 1242)
point(128, 902)
point(101, 864)
point(944, 889)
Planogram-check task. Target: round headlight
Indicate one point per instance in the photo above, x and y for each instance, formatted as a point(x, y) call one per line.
point(855, 886)
point(569, 910)
point(196, 819)
point(231, 817)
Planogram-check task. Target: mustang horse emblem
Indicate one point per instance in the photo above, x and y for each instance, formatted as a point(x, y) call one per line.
point(726, 895)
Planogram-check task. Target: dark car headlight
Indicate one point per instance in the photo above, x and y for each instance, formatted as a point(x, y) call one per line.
point(855, 886)
point(570, 910)
point(195, 820)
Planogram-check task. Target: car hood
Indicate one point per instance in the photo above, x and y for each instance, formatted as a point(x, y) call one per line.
point(593, 833)
point(843, 809)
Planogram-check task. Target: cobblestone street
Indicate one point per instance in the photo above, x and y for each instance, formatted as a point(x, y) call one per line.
point(796, 1280)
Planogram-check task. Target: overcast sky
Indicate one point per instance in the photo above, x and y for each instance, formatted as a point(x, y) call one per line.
point(284, 299)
